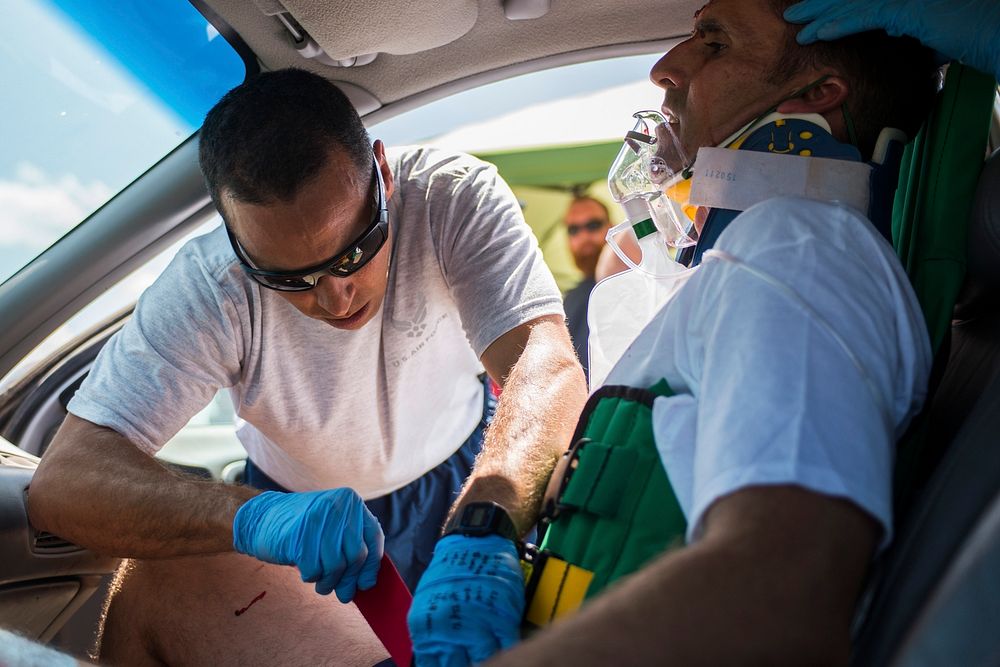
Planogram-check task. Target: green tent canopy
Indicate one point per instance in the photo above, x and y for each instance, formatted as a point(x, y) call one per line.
point(544, 178)
point(561, 167)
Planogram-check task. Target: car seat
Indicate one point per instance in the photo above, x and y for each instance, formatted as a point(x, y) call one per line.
point(934, 597)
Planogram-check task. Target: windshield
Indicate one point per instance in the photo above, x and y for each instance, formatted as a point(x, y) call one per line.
point(95, 94)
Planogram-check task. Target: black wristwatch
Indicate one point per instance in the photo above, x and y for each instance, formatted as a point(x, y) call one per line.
point(481, 519)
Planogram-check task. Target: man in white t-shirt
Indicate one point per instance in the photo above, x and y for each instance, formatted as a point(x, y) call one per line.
point(797, 354)
point(350, 304)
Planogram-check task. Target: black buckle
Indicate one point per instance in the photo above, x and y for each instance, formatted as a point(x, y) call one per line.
point(561, 474)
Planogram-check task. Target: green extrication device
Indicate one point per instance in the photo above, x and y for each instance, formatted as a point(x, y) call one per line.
point(609, 505)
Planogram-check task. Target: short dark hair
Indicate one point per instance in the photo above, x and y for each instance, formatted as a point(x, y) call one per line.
point(893, 79)
point(584, 198)
point(272, 134)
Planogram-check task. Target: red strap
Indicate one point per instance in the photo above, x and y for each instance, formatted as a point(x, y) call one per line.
point(385, 606)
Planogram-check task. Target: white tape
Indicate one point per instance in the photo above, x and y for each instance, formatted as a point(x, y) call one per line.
point(733, 179)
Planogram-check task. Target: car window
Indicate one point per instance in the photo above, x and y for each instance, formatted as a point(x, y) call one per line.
point(551, 134)
point(208, 441)
point(95, 94)
point(582, 105)
point(120, 297)
point(587, 104)
point(622, 82)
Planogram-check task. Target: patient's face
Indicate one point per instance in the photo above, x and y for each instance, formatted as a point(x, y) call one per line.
point(720, 78)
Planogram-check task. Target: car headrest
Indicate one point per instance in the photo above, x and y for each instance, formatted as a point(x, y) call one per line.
point(982, 288)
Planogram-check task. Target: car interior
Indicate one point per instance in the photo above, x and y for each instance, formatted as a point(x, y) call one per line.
point(934, 595)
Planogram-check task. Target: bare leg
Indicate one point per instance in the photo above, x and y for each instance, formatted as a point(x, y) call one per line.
point(229, 610)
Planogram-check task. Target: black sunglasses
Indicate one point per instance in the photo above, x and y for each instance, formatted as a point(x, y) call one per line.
point(358, 253)
point(592, 225)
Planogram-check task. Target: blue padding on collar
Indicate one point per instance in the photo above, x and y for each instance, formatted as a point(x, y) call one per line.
point(792, 136)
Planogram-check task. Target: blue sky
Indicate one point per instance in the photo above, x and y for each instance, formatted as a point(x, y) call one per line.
point(79, 125)
point(84, 117)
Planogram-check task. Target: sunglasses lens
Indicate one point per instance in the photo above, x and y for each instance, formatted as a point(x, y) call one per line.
point(290, 284)
point(366, 249)
point(591, 226)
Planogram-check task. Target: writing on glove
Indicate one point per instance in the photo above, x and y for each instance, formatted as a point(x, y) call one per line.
point(469, 603)
point(331, 536)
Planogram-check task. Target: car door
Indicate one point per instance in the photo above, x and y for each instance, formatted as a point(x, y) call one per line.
point(93, 102)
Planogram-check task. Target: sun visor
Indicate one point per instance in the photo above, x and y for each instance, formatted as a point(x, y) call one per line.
point(348, 29)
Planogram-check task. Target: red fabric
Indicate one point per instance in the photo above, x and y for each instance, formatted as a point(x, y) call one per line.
point(385, 607)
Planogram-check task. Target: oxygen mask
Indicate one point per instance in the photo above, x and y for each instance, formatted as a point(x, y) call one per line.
point(649, 178)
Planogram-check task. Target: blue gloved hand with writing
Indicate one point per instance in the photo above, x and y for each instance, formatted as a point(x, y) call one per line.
point(964, 30)
point(469, 603)
point(331, 536)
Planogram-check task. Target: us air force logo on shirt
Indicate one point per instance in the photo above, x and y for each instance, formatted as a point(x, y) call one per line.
point(413, 322)
point(416, 326)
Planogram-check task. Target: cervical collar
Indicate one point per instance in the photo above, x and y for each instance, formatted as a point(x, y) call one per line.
point(793, 155)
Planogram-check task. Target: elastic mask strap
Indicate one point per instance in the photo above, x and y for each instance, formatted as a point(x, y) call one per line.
point(802, 91)
point(798, 93)
point(852, 135)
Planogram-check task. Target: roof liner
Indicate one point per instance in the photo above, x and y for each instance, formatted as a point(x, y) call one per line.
point(492, 43)
point(349, 28)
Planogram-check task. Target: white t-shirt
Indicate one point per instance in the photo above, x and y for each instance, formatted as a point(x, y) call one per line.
point(799, 354)
point(371, 409)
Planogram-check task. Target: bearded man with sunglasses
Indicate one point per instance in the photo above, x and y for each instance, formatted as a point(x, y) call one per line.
point(587, 224)
point(350, 304)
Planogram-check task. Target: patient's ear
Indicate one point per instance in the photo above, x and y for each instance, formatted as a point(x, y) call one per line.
point(823, 98)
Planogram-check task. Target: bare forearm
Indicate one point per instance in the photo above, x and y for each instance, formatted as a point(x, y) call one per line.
point(98, 490)
point(773, 582)
point(535, 418)
point(682, 610)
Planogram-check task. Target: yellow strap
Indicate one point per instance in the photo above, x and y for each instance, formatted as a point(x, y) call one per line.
point(560, 591)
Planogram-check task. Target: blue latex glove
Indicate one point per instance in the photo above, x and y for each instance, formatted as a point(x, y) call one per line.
point(331, 536)
point(964, 30)
point(469, 603)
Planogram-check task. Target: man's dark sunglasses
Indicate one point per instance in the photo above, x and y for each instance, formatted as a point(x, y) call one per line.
point(592, 225)
point(344, 263)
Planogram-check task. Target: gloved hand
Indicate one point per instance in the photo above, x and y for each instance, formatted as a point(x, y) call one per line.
point(331, 536)
point(469, 603)
point(963, 30)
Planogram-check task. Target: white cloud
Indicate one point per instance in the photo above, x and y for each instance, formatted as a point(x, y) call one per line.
point(601, 115)
point(36, 208)
point(107, 92)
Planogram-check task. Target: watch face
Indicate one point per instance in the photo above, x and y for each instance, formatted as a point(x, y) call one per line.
point(477, 516)
point(481, 519)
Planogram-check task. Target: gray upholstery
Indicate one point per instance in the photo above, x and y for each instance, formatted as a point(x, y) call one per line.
point(982, 291)
point(958, 626)
point(494, 42)
point(933, 535)
point(974, 358)
point(348, 29)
